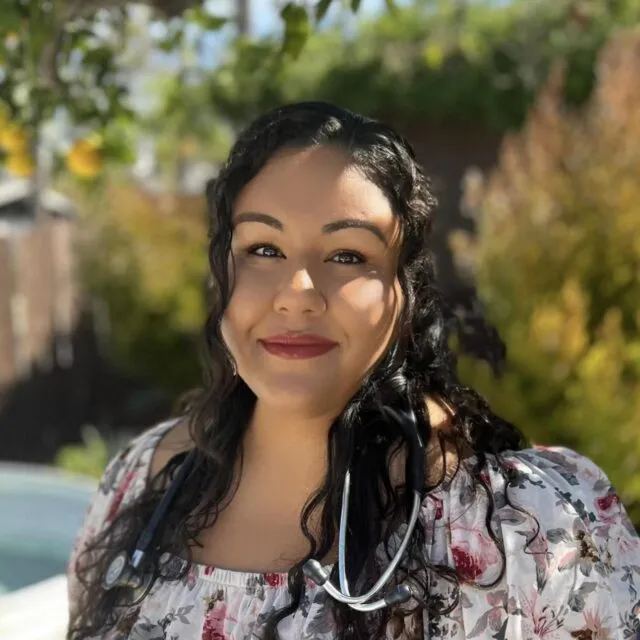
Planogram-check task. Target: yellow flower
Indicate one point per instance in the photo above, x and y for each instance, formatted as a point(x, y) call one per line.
point(20, 164)
point(13, 139)
point(84, 159)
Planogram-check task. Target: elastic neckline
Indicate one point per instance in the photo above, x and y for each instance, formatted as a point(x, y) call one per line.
point(242, 579)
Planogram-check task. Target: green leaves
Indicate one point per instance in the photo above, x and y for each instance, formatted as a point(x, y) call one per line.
point(89, 458)
point(297, 29)
point(204, 19)
point(173, 38)
point(392, 7)
point(321, 9)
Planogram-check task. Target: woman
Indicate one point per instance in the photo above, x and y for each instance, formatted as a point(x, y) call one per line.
point(325, 317)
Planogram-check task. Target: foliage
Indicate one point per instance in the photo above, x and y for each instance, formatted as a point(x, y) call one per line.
point(478, 62)
point(89, 458)
point(144, 256)
point(557, 258)
point(182, 129)
point(65, 58)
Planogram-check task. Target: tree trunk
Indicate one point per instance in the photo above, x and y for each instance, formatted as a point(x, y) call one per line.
point(242, 17)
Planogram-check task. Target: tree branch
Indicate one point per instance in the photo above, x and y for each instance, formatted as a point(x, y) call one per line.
point(48, 63)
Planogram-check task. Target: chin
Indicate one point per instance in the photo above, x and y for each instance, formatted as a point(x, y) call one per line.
point(295, 392)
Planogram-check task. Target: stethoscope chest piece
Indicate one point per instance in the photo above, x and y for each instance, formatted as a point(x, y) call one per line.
point(117, 571)
point(121, 574)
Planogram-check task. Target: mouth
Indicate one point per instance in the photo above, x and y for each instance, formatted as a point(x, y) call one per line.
point(297, 346)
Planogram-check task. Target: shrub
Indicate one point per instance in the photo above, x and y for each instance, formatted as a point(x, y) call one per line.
point(557, 260)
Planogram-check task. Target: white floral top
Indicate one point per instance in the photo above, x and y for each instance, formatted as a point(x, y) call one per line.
point(578, 579)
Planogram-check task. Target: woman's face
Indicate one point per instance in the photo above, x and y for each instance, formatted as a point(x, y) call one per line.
point(315, 298)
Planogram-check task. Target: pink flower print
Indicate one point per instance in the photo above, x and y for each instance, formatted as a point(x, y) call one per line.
point(485, 478)
point(213, 628)
point(540, 620)
point(439, 509)
point(473, 553)
point(595, 626)
point(275, 580)
point(469, 566)
point(208, 570)
point(608, 507)
point(119, 496)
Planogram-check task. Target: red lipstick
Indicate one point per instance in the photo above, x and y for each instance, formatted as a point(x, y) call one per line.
point(297, 346)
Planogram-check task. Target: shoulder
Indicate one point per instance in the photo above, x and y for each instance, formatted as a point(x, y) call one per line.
point(562, 486)
point(570, 544)
point(124, 479)
point(130, 470)
point(126, 476)
point(575, 481)
point(555, 545)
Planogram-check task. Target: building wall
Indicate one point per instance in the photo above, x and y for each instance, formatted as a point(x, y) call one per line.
point(6, 331)
point(446, 152)
point(39, 297)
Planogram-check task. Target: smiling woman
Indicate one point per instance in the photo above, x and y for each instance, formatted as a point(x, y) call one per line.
point(321, 260)
point(333, 442)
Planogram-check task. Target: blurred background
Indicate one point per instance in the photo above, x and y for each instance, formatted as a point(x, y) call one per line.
point(114, 115)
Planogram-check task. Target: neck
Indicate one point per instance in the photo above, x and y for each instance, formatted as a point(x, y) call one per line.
point(276, 436)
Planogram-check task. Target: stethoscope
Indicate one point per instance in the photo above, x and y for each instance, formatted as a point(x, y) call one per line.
point(415, 477)
point(126, 571)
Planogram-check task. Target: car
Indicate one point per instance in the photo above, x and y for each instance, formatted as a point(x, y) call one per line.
point(42, 510)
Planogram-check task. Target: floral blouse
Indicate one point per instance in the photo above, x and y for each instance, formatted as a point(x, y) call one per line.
point(579, 578)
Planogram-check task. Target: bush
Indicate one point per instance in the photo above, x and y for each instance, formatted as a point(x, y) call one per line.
point(145, 258)
point(557, 259)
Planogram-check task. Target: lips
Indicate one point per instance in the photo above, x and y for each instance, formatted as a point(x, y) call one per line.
point(298, 346)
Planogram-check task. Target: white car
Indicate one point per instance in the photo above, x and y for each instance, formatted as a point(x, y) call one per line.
point(41, 512)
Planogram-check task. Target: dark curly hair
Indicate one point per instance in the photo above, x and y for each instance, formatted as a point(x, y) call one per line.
point(420, 357)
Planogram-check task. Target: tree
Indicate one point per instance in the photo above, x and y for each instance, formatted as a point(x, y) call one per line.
point(65, 58)
point(557, 259)
point(428, 61)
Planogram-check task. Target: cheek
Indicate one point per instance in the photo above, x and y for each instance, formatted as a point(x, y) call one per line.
point(244, 304)
point(371, 303)
point(251, 288)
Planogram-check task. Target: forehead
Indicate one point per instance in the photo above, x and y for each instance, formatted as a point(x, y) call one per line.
point(315, 186)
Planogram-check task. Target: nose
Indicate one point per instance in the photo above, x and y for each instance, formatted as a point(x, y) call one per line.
point(300, 295)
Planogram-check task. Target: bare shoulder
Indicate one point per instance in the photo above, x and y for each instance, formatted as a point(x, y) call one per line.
point(440, 413)
point(176, 440)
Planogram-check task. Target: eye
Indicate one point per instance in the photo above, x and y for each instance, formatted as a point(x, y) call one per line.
point(348, 258)
point(264, 251)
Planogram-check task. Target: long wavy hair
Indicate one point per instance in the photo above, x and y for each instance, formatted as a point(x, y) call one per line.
point(418, 363)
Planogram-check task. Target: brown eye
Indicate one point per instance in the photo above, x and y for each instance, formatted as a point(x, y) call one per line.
point(264, 251)
point(348, 258)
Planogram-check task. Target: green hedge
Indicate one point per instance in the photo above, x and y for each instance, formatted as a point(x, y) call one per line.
point(482, 65)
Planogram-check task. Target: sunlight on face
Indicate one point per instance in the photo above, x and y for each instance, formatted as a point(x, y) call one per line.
point(315, 247)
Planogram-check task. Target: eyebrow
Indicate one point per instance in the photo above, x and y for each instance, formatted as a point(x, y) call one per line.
point(331, 227)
